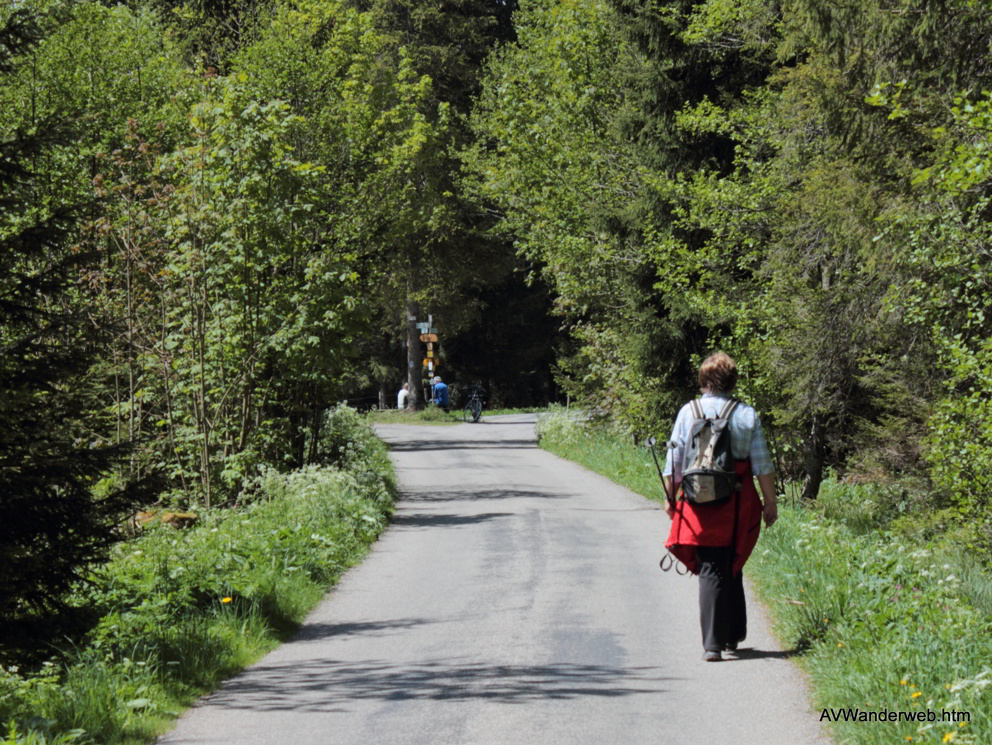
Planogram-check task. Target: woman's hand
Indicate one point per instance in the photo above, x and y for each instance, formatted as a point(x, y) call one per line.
point(670, 491)
point(769, 508)
point(770, 512)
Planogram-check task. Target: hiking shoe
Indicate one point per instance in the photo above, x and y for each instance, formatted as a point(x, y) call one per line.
point(711, 655)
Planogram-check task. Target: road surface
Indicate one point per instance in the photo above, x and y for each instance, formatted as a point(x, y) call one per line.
point(515, 600)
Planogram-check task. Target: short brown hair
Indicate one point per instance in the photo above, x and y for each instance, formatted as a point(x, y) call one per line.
point(718, 373)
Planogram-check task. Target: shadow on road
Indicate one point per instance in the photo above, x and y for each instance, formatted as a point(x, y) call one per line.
point(490, 422)
point(761, 654)
point(419, 445)
point(469, 494)
point(433, 520)
point(326, 685)
point(319, 631)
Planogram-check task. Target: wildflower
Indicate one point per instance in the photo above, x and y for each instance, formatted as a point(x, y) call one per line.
point(226, 600)
point(916, 694)
point(948, 737)
point(904, 681)
point(909, 738)
point(840, 644)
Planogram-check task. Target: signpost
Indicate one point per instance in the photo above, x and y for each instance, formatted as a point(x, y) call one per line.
point(428, 336)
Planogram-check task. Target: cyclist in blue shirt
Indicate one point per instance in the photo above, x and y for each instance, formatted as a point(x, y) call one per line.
point(440, 393)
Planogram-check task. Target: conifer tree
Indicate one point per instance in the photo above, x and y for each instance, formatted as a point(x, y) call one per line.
point(54, 519)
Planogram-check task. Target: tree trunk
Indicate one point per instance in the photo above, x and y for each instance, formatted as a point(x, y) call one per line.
point(412, 348)
point(815, 459)
point(316, 420)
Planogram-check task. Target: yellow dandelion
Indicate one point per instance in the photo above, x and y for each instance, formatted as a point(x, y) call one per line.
point(226, 600)
point(947, 686)
point(840, 644)
point(948, 737)
point(916, 694)
point(909, 738)
point(962, 724)
point(904, 681)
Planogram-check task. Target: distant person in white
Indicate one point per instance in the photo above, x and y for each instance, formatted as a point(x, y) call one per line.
point(402, 396)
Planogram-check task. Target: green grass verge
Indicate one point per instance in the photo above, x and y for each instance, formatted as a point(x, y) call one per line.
point(880, 624)
point(524, 410)
point(431, 416)
point(181, 610)
point(598, 449)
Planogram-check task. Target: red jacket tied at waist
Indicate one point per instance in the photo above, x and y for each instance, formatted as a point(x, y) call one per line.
point(734, 522)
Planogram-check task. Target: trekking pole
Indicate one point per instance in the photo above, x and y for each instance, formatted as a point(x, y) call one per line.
point(670, 498)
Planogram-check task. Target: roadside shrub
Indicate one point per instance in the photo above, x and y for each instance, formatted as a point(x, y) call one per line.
point(560, 426)
point(348, 442)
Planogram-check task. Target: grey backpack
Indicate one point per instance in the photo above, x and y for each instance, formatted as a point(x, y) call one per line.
point(708, 472)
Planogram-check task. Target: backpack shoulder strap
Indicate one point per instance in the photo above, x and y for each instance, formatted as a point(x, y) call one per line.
point(697, 409)
point(728, 409)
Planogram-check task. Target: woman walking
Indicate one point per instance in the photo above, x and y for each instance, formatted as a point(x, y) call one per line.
point(715, 539)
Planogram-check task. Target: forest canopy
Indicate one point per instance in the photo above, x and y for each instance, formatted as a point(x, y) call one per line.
point(801, 184)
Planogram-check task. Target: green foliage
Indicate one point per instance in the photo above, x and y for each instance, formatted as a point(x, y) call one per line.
point(182, 608)
point(52, 525)
point(429, 415)
point(549, 154)
point(447, 40)
point(719, 181)
point(944, 292)
point(238, 218)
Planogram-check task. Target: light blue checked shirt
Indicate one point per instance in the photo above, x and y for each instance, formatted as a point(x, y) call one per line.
point(747, 439)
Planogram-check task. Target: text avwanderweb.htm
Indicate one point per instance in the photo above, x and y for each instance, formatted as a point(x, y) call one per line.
point(889, 715)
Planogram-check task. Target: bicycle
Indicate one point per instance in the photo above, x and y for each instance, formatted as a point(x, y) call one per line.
point(473, 407)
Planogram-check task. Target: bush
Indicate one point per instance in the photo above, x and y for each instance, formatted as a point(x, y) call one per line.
point(560, 426)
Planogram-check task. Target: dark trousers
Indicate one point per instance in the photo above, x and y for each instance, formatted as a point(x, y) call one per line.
point(722, 613)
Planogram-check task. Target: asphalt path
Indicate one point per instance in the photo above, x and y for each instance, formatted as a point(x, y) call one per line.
point(515, 600)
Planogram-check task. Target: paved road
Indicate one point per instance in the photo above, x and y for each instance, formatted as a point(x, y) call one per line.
point(515, 600)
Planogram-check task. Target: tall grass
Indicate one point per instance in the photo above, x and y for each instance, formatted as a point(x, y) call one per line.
point(884, 625)
point(881, 622)
point(565, 433)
